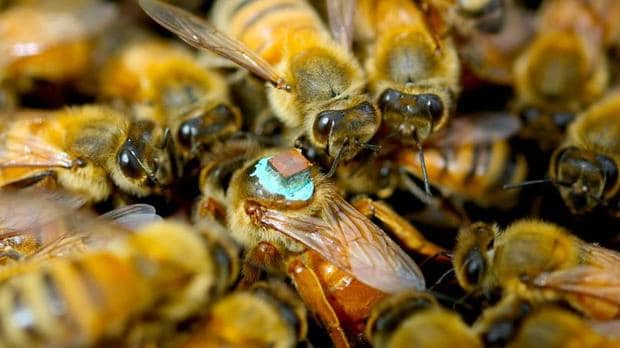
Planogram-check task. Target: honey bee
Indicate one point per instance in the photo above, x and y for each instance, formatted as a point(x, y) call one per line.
point(88, 150)
point(413, 77)
point(472, 160)
point(292, 221)
point(166, 84)
point(562, 70)
point(55, 45)
point(584, 168)
point(540, 262)
point(318, 84)
point(415, 319)
point(68, 295)
point(490, 35)
point(555, 327)
point(269, 314)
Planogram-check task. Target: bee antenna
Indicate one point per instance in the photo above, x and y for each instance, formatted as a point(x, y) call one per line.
point(336, 161)
point(149, 173)
point(371, 147)
point(427, 186)
point(441, 279)
point(529, 183)
point(413, 188)
point(454, 301)
point(165, 139)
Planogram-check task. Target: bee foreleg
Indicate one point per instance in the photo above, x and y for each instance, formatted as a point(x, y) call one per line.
point(264, 256)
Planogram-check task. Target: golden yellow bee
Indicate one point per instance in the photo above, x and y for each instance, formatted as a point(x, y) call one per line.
point(50, 40)
point(413, 76)
point(585, 167)
point(269, 314)
point(415, 319)
point(561, 71)
point(97, 280)
point(319, 85)
point(541, 262)
point(162, 82)
point(89, 150)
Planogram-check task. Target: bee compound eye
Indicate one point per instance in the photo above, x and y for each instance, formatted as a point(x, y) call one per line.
point(128, 163)
point(324, 123)
point(187, 131)
point(389, 97)
point(474, 266)
point(432, 104)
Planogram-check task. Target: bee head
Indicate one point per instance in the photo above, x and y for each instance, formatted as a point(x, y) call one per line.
point(411, 116)
point(471, 260)
point(142, 159)
point(204, 125)
point(583, 178)
point(343, 133)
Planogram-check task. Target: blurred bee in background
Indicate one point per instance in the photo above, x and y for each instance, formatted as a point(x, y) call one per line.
point(50, 41)
point(88, 150)
point(33, 223)
point(585, 167)
point(318, 84)
point(291, 221)
point(269, 314)
point(415, 319)
point(562, 70)
point(413, 75)
point(98, 280)
point(490, 35)
point(166, 84)
point(555, 327)
point(540, 262)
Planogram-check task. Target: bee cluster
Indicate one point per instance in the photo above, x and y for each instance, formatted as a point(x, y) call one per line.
point(370, 173)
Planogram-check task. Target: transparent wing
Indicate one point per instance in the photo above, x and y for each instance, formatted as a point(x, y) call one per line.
point(477, 129)
point(36, 225)
point(601, 257)
point(133, 216)
point(340, 13)
point(590, 281)
point(201, 34)
point(348, 239)
point(27, 30)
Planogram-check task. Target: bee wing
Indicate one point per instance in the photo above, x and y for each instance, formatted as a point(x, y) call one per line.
point(199, 33)
point(50, 23)
point(601, 257)
point(348, 239)
point(340, 13)
point(595, 282)
point(26, 150)
point(133, 216)
point(52, 220)
point(477, 129)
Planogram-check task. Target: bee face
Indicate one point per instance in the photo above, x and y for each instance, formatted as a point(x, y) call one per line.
point(140, 159)
point(204, 126)
point(583, 177)
point(413, 117)
point(342, 132)
point(471, 262)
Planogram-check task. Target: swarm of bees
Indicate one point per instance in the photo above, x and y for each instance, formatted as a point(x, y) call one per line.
point(290, 173)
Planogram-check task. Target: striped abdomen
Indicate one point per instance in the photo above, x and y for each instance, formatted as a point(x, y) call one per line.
point(475, 172)
point(270, 27)
point(72, 302)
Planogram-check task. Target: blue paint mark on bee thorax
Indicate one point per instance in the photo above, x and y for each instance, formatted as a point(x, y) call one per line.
point(299, 187)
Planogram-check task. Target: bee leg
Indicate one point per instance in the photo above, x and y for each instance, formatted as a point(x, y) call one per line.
point(30, 180)
point(406, 233)
point(311, 292)
point(264, 256)
point(209, 207)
